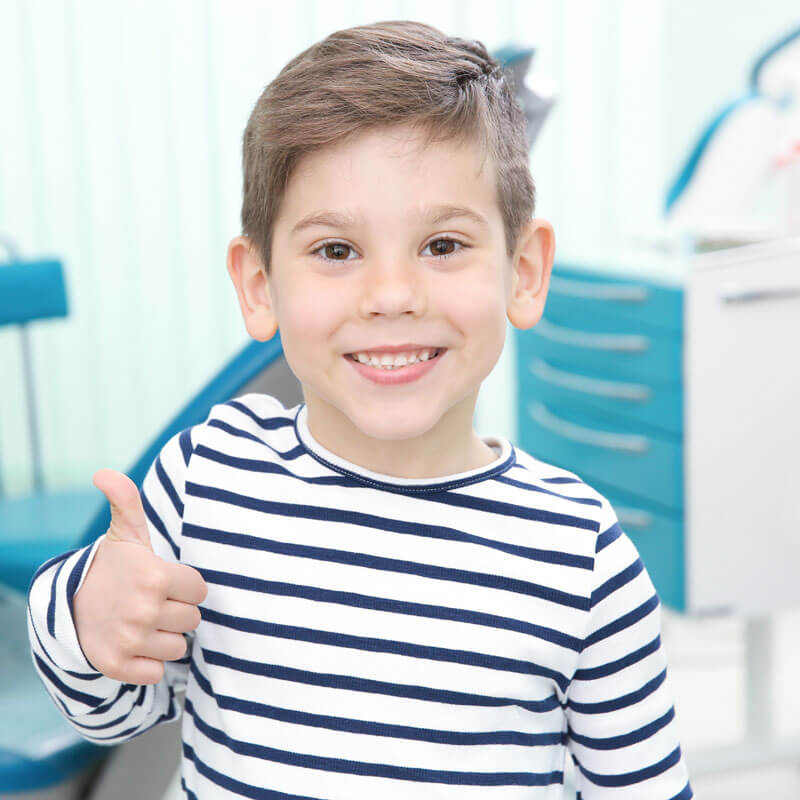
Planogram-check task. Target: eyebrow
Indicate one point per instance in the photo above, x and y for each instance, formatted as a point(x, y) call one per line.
point(433, 216)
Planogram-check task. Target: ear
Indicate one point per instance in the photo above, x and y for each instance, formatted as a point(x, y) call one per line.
point(249, 276)
point(532, 265)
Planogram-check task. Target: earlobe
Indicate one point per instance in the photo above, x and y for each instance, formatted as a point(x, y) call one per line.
point(249, 276)
point(533, 263)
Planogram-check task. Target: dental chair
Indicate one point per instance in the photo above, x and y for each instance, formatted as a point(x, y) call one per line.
point(41, 756)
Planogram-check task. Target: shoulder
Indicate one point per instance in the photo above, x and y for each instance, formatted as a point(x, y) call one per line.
point(581, 496)
point(244, 422)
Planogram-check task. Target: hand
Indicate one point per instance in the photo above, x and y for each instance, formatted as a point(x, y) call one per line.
point(133, 607)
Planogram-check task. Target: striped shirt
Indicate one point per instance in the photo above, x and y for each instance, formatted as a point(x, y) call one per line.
point(366, 636)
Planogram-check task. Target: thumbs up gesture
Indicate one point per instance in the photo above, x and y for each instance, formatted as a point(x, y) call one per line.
point(133, 607)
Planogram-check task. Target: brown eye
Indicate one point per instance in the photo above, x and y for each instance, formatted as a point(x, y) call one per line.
point(337, 251)
point(442, 247)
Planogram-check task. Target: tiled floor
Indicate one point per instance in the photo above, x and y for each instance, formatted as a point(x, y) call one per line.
point(707, 672)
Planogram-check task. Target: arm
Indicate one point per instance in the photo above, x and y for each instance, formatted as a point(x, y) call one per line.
point(622, 733)
point(86, 607)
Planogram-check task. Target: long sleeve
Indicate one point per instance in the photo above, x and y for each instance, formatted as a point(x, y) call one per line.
point(101, 709)
point(622, 731)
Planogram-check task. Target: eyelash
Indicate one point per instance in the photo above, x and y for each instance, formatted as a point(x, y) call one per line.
point(327, 243)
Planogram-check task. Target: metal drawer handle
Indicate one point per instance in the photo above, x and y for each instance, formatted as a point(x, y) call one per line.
point(633, 518)
point(740, 295)
point(626, 442)
point(633, 392)
point(618, 343)
point(599, 291)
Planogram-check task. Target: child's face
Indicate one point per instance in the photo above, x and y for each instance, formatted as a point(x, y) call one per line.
point(380, 245)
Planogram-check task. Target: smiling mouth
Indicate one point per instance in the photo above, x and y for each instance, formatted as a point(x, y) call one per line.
point(394, 361)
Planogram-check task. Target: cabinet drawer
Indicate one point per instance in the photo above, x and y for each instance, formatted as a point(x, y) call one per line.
point(659, 538)
point(579, 292)
point(615, 453)
point(559, 386)
point(611, 349)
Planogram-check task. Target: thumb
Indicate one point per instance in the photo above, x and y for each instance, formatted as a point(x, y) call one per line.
point(128, 522)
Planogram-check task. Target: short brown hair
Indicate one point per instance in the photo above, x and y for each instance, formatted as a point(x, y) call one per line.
point(383, 74)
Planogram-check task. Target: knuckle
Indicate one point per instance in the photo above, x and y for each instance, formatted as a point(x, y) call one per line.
point(129, 639)
point(147, 614)
point(155, 581)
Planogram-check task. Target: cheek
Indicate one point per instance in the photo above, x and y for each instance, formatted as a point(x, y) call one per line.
point(307, 321)
point(480, 311)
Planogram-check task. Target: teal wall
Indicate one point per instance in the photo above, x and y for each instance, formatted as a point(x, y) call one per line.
point(120, 132)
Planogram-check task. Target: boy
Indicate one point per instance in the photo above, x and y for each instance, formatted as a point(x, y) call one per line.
point(363, 598)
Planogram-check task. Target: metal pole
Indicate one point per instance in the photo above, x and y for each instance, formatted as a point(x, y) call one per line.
point(30, 394)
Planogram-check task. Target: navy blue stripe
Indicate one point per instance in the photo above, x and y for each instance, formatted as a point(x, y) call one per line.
point(604, 670)
point(639, 776)
point(158, 524)
point(168, 487)
point(75, 578)
point(185, 441)
point(237, 787)
point(384, 524)
point(84, 676)
point(562, 480)
point(371, 728)
point(271, 468)
point(387, 524)
point(627, 739)
point(51, 606)
point(374, 645)
point(352, 767)
point(617, 581)
point(684, 794)
point(388, 564)
point(125, 688)
point(625, 621)
point(589, 501)
point(607, 537)
point(266, 423)
point(288, 455)
point(370, 686)
point(190, 795)
point(620, 702)
point(224, 426)
point(390, 605)
point(492, 506)
point(105, 725)
point(136, 730)
point(74, 694)
point(47, 564)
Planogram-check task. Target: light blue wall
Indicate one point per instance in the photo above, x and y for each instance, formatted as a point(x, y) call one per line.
point(120, 133)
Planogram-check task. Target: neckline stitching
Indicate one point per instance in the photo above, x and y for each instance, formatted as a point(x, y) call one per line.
point(503, 466)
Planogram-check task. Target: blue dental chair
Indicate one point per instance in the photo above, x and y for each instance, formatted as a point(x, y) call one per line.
point(41, 756)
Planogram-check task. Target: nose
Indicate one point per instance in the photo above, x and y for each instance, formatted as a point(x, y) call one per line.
point(392, 288)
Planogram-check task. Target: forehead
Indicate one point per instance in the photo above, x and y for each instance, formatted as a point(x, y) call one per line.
point(397, 171)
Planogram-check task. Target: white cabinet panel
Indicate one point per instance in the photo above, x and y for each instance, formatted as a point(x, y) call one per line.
point(742, 418)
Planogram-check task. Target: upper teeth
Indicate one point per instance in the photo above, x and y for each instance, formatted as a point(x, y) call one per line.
point(387, 361)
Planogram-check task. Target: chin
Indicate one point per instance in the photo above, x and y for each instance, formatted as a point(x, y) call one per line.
point(391, 430)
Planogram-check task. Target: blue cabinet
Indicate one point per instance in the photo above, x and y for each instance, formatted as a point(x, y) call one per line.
point(679, 400)
point(600, 393)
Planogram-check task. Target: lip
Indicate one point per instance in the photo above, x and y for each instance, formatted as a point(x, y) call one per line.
point(392, 377)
